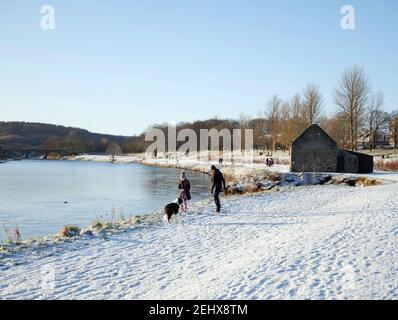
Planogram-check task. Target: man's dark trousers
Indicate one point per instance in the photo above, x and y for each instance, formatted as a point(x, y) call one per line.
point(217, 198)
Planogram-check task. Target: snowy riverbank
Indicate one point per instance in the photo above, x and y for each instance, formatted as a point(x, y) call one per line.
point(319, 242)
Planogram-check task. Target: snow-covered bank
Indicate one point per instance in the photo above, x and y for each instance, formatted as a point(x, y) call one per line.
point(384, 160)
point(128, 158)
point(327, 242)
point(235, 172)
point(194, 161)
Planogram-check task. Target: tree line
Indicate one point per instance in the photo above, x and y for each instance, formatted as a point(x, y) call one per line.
point(359, 116)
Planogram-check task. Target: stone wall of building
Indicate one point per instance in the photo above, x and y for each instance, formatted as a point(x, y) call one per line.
point(313, 151)
point(365, 162)
point(313, 160)
point(349, 162)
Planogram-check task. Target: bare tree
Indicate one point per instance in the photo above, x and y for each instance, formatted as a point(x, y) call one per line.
point(312, 104)
point(335, 127)
point(393, 124)
point(351, 97)
point(272, 116)
point(114, 149)
point(259, 130)
point(297, 114)
point(286, 134)
point(376, 118)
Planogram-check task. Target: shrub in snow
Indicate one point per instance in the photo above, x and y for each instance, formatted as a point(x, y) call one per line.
point(97, 226)
point(354, 181)
point(70, 231)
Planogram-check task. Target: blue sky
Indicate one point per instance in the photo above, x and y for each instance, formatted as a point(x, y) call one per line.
point(119, 66)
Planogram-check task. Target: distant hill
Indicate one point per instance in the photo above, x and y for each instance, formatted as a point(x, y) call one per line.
point(19, 135)
point(49, 136)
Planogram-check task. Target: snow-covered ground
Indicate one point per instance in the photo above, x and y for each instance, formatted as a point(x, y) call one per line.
point(315, 242)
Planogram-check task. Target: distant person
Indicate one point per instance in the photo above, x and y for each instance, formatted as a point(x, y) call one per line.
point(271, 162)
point(220, 161)
point(218, 182)
point(267, 162)
point(184, 187)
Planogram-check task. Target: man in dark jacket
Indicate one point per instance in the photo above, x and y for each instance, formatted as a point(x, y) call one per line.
point(218, 183)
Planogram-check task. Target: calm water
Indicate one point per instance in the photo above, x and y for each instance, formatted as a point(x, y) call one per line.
point(32, 193)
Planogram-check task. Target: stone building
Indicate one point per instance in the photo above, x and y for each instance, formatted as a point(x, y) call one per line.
point(315, 151)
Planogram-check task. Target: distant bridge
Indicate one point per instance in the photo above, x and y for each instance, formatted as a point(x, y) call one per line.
point(25, 153)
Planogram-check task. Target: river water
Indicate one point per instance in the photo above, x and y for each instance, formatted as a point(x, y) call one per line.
point(42, 196)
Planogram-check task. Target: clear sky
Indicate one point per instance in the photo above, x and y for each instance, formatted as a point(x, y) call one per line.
point(119, 66)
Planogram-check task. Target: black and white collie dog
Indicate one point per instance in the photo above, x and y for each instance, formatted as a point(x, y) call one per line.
point(171, 209)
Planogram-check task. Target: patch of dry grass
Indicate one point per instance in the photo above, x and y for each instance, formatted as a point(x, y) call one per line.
point(69, 231)
point(102, 226)
point(252, 183)
point(390, 165)
point(366, 182)
point(274, 176)
point(355, 181)
point(229, 178)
